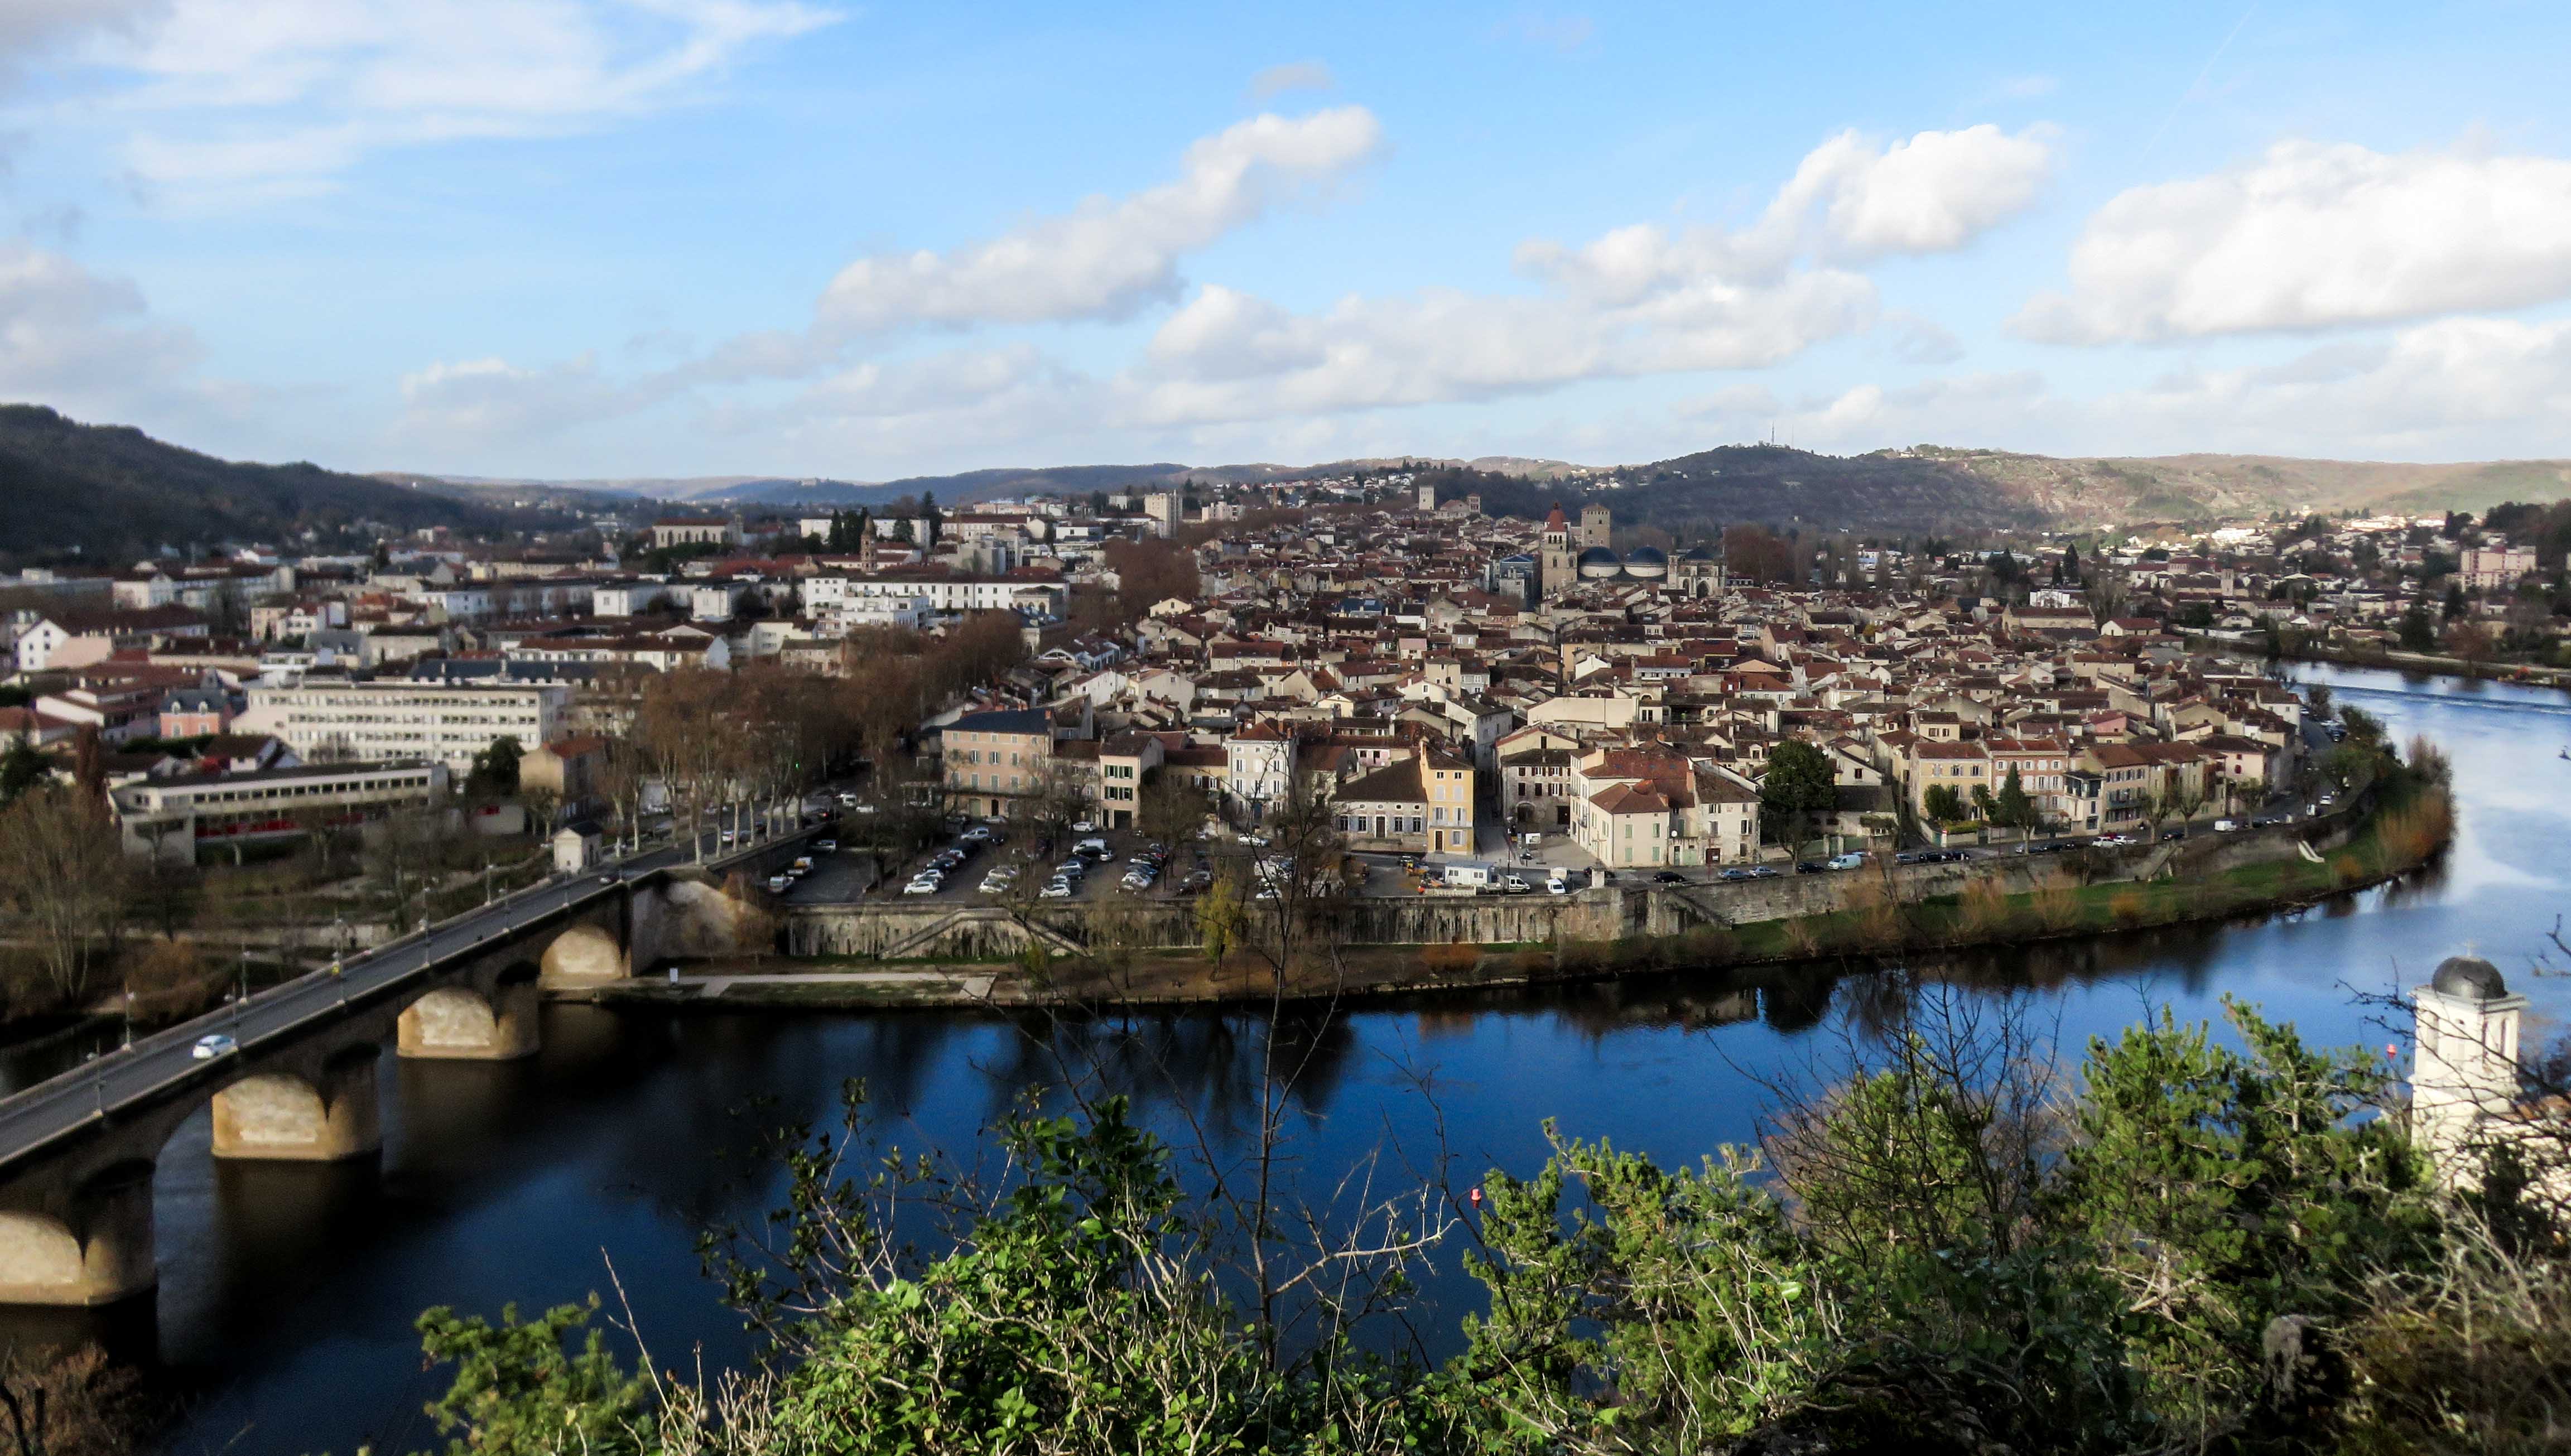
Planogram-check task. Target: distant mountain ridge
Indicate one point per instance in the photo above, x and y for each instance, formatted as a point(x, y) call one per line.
point(113, 492)
point(1922, 488)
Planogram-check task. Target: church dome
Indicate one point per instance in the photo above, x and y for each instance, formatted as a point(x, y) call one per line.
point(2469, 978)
point(1599, 564)
point(1696, 553)
point(1647, 562)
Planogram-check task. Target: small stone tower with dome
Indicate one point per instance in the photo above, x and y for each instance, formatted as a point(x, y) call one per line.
point(2464, 1083)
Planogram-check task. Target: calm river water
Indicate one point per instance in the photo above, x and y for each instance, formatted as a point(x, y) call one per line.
point(287, 1293)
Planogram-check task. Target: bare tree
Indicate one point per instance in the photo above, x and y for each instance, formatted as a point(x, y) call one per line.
point(408, 852)
point(63, 873)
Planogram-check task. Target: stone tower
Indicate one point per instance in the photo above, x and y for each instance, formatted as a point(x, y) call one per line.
point(1594, 526)
point(1558, 560)
point(2467, 1073)
point(1428, 495)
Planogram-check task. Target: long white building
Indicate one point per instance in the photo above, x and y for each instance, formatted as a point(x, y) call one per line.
point(824, 594)
point(446, 722)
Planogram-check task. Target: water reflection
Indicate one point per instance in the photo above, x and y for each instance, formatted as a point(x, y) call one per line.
point(292, 1297)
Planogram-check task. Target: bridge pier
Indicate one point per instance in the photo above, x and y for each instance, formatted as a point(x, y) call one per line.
point(287, 1119)
point(456, 1024)
point(96, 1250)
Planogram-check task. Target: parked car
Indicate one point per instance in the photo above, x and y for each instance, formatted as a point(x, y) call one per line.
point(212, 1045)
point(1762, 872)
point(826, 846)
point(1055, 890)
point(778, 885)
point(1846, 862)
point(1738, 872)
point(1517, 885)
point(1669, 878)
point(1557, 886)
point(1812, 866)
point(923, 886)
point(1083, 827)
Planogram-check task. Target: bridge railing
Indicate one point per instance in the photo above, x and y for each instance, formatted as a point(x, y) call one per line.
point(231, 1014)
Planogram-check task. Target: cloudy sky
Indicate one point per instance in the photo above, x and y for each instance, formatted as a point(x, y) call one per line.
point(591, 237)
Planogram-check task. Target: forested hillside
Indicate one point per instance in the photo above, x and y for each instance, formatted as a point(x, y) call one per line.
point(113, 491)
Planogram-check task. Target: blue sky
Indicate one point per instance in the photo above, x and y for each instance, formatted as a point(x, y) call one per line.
point(621, 237)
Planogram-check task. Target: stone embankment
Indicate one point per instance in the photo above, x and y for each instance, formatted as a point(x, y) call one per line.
point(877, 954)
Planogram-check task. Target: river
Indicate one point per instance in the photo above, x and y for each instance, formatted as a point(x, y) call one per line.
point(287, 1293)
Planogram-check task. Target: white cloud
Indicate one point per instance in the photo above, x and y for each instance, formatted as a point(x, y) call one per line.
point(1635, 300)
point(1293, 76)
point(1228, 357)
point(919, 409)
point(261, 97)
point(85, 343)
point(492, 400)
point(2452, 389)
point(1109, 256)
point(32, 27)
point(1932, 193)
point(2313, 237)
point(1850, 200)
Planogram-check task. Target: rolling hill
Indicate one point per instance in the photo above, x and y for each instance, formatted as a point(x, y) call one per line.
point(111, 491)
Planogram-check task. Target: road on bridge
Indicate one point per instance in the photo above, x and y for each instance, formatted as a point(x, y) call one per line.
point(38, 1114)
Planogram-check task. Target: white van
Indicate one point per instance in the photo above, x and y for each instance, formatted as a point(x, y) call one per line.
point(2225, 827)
point(1847, 862)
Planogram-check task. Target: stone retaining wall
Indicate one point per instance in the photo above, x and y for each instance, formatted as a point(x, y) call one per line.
point(962, 932)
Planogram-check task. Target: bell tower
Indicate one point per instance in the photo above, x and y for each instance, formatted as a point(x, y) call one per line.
point(1595, 527)
point(1558, 560)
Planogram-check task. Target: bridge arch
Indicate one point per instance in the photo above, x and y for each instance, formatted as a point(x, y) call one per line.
point(90, 1244)
point(280, 1116)
point(40, 1259)
point(459, 1023)
point(583, 954)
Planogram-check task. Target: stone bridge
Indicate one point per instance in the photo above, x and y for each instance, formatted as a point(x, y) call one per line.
point(78, 1152)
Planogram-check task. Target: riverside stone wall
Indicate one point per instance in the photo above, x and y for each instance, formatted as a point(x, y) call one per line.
point(895, 931)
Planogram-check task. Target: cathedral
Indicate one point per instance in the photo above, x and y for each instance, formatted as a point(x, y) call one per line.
point(1570, 557)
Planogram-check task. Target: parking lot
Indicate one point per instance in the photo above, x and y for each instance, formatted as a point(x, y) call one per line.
point(1035, 866)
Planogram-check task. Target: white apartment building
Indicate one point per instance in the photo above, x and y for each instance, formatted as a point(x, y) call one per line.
point(827, 594)
point(628, 599)
point(2488, 567)
point(172, 818)
point(444, 722)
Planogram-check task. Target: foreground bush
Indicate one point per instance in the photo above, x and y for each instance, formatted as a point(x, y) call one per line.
point(1946, 1247)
